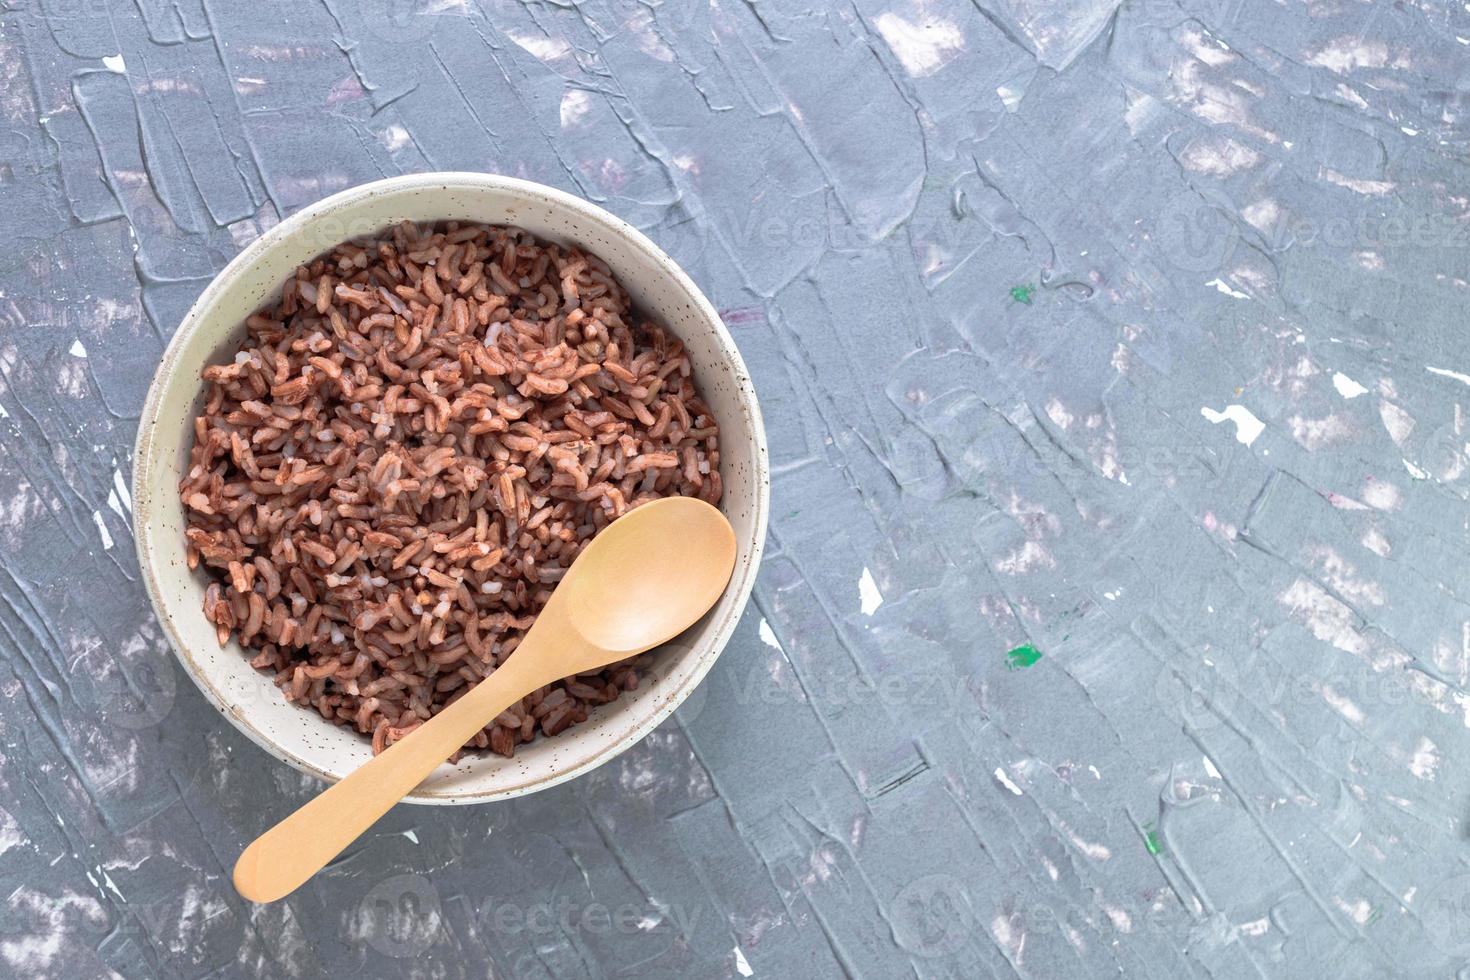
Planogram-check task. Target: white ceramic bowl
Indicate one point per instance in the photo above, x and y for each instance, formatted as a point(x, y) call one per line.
point(210, 333)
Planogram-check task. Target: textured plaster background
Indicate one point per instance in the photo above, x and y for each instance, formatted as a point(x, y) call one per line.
point(1131, 332)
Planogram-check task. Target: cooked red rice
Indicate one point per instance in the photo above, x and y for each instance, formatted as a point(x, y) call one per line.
point(391, 476)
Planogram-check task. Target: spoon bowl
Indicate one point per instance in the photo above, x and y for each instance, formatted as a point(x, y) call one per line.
point(629, 592)
point(647, 577)
point(245, 698)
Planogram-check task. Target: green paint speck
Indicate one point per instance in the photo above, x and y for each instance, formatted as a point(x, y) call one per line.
point(1151, 842)
point(1023, 293)
point(1022, 656)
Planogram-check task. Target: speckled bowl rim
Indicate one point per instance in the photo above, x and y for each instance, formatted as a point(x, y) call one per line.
point(742, 582)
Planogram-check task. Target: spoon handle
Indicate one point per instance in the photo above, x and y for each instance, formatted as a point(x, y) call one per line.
point(284, 857)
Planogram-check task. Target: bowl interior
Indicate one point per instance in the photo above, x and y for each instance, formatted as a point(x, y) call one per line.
point(211, 332)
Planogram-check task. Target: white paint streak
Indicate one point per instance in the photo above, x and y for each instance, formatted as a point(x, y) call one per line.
point(922, 48)
point(1375, 541)
point(1030, 555)
point(1007, 782)
point(393, 138)
point(1256, 927)
point(1261, 214)
point(1120, 918)
point(115, 505)
point(33, 955)
point(1097, 852)
point(10, 832)
point(1368, 188)
point(541, 48)
point(1342, 704)
point(1383, 496)
point(1360, 911)
point(768, 636)
point(1342, 576)
point(1219, 159)
point(1347, 387)
point(1010, 96)
point(1011, 939)
point(72, 378)
point(647, 39)
point(1223, 287)
point(1349, 94)
point(1247, 427)
point(868, 593)
point(1447, 373)
point(1324, 616)
point(120, 490)
point(575, 104)
point(1345, 54)
point(102, 531)
point(1313, 434)
point(1425, 761)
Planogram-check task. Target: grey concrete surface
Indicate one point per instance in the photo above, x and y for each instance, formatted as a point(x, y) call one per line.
point(1114, 621)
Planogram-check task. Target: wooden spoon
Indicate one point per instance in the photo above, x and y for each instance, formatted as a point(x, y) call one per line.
point(641, 582)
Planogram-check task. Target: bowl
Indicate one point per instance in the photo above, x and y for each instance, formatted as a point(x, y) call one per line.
point(211, 332)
